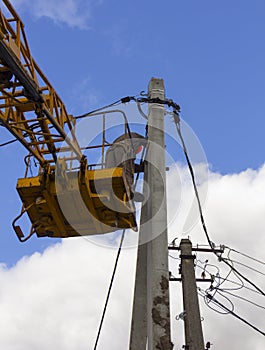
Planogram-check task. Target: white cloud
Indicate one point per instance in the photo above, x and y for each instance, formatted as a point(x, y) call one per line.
point(54, 300)
point(74, 13)
point(234, 213)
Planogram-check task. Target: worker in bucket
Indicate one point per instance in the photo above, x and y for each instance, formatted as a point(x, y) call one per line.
point(122, 153)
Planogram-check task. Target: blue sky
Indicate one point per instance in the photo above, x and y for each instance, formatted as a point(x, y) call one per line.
point(210, 54)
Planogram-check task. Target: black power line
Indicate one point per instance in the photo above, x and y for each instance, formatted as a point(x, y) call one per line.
point(8, 143)
point(109, 290)
point(98, 110)
point(245, 255)
point(211, 298)
point(239, 297)
point(211, 244)
point(246, 266)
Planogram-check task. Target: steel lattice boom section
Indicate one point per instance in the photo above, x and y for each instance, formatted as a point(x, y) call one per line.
point(30, 108)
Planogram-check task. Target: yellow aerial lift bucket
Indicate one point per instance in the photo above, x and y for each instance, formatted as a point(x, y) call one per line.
point(63, 203)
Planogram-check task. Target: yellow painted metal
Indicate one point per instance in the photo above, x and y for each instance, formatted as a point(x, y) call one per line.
point(59, 202)
point(28, 102)
point(55, 210)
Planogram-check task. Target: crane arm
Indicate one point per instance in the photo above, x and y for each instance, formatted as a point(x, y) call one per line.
point(30, 108)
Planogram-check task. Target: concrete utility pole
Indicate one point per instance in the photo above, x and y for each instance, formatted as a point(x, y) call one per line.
point(151, 313)
point(192, 319)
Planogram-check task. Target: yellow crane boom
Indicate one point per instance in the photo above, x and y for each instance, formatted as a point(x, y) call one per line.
point(25, 89)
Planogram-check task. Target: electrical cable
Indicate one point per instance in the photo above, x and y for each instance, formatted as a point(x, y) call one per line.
point(240, 297)
point(109, 290)
point(156, 100)
point(230, 272)
point(241, 285)
point(235, 315)
point(204, 270)
point(216, 302)
point(140, 110)
point(8, 143)
point(143, 155)
point(245, 255)
point(248, 267)
point(208, 304)
point(141, 164)
point(206, 264)
point(211, 244)
point(168, 102)
point(174, 257)
point(212, 300)
point(177, 122)
point(98, 109)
